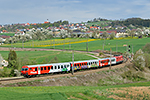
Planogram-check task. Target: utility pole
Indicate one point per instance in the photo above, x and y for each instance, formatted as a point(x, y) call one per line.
point(87, 45)
point(103, 44)
point(54, 43)
point(22, 44)
point(116, 47)
point(72, 62)
point(110, 59)
point(69, 45)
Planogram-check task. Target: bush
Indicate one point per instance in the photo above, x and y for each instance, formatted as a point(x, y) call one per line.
point(5, 72)
point(101, 53)
point(146, 48)
point(134, 76)
point(147, 60)
point(12, 59)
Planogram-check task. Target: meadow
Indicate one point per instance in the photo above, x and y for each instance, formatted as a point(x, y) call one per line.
point(76, 92)
point(8, 34)
point(81, 44)
point(46, 56)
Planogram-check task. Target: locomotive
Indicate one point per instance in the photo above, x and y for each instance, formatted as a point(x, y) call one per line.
point(34, 70)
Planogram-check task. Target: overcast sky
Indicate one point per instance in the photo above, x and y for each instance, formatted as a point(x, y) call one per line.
point(38, 11)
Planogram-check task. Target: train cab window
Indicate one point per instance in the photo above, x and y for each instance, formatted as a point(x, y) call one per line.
point(64, 66)
point(41, 68)
point(35, 69)
point(58, 67)
point(44, 68)
point(30, 68)
point(61, 66)
point(26, 69)
point(67, 65)
point(55, 67)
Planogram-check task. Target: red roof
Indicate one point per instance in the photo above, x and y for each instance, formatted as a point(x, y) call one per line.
point(4, 36)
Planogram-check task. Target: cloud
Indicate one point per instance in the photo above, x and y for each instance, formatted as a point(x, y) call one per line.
point(72, 10)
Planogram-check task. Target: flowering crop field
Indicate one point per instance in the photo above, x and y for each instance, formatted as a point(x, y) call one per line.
point(75, 92)
point(83, 44)
point(48, 43)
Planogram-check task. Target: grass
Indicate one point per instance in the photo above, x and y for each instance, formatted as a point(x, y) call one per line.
point(63, 92)
point(8, 34)
point(40, 56)
point(81, 44)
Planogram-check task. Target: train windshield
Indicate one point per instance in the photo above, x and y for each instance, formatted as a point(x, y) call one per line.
point(24, 69)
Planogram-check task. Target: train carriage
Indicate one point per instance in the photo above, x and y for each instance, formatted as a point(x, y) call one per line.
point(33, 70)
point(85, 64)
point(103, 62)
point(119, 59)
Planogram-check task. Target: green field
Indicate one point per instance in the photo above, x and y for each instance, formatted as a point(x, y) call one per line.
point(81, 44)
point(71, 92)
point(8, 34)
point(40, 56)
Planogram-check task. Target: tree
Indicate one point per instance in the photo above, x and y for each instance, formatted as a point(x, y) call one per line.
point(112, 35)
point(139, 32)
point(130, 32)
point(105, 35)
point(12, 59)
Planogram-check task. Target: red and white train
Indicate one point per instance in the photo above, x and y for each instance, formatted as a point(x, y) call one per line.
point(33, 70)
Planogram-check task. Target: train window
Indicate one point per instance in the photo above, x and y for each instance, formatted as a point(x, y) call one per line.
point(55, 67)
point(35, 69)
point(58, 67)
point(89, 63)
point(80, 64)
point(64, 66)
point(41, 68)
point(74, 64)
point(24, 69)
point(44, 68)
point(67, 65)
point(48, 68)
point(30, 68)
point(52, 67)
point(61, 66)
point(112, 59)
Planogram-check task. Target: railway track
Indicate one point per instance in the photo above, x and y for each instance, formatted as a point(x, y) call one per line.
point(83, 72)
point(22, 79)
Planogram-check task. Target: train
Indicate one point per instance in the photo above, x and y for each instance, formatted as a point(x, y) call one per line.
point(41, 69)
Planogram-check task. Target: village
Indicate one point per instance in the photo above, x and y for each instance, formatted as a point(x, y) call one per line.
point(70, 30)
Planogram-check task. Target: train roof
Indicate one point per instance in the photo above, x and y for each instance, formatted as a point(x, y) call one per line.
point(85, 61)
point(48, 64)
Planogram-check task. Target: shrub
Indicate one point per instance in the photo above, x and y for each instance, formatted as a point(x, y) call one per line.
point(134, 76)
point(101, 53)
point(146, 48)
point(12, 59)
point(147, 60)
